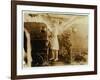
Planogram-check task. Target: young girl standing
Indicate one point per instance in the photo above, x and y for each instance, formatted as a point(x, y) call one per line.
point(54, 44)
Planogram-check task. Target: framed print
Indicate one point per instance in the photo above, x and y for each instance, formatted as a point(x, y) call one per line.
point(52, 39)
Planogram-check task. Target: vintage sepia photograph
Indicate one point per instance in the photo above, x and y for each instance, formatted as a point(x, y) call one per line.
point(55, 39)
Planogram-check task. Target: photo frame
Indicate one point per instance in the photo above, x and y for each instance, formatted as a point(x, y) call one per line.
point(29, 13)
